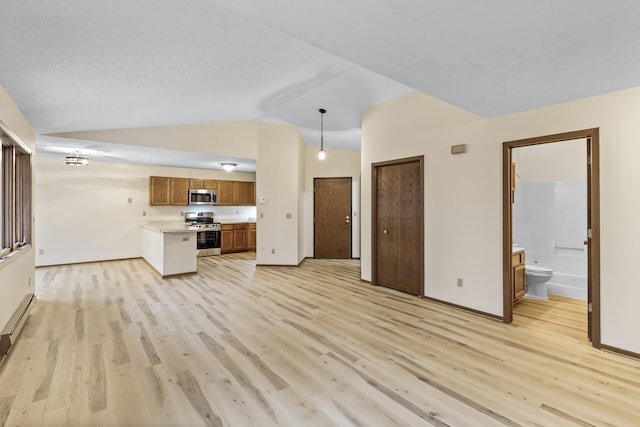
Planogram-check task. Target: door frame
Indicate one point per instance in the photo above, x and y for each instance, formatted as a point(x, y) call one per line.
point(374, 213)
point(593, 221)
point(350, 211)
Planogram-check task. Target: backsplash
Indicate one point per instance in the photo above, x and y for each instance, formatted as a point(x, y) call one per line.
point(168, 213)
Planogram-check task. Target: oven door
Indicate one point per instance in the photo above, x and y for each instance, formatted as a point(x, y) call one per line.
point(208, 243)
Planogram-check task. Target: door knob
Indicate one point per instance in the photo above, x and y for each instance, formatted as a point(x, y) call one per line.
point(347, 216)
point(385, 231)
point(347, 221)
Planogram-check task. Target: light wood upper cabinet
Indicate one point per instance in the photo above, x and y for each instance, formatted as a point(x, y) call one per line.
point(179, 195)
point(159, 191)
point(210, 184)
point(245, 193)
point(196, 183)
point(207, 184)
point(226, 193)
point(168, 191)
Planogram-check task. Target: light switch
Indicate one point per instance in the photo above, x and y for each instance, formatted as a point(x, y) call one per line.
point(288, 216)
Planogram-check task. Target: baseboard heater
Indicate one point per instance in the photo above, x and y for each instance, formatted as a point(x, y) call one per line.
point(10, 332)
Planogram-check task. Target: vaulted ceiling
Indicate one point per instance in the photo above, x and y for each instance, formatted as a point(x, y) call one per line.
point(95, 65)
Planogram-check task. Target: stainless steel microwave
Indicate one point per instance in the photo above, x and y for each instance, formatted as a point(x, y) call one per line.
point(203, 197)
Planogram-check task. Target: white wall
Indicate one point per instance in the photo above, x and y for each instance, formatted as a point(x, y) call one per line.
point(17, 275)
point(82, 213)
point(560, 161)
point(463, 228)
point(338, 164)
point(235, 139)
point(278, 171)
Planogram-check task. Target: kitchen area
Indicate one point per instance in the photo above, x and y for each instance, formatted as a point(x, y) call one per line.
point(219, 218)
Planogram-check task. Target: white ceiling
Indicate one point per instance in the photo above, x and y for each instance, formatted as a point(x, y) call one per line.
point(94, 65)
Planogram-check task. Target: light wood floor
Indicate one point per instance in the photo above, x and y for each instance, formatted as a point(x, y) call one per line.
point(111, 344)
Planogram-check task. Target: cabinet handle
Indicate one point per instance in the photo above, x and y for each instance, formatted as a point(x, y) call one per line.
point(385, 231)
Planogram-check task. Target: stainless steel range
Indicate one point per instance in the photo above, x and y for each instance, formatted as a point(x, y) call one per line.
point(208, 236)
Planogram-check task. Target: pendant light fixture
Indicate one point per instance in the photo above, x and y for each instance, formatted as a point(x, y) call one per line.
point(321, 153)
point(76, 159)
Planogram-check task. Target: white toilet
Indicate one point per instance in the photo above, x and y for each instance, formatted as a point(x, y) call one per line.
point(536, 281)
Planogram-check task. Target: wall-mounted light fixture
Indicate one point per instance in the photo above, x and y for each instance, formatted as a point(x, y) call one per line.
point(76, 159)
point(321, 153)
point(228, 166)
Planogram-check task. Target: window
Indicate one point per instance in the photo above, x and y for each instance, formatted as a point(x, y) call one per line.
point(15, 194)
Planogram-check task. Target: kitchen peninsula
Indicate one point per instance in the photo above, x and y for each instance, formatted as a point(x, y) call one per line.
point(169, 247)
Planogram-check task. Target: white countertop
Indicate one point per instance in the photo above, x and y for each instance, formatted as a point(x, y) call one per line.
point(236, 221)
point(181, 227)
point(169, 227)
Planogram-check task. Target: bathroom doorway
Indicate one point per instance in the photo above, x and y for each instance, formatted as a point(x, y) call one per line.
point(558, 242)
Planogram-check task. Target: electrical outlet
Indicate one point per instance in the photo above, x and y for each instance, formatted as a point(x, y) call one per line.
point(41, 252)
point(129, 200)
point(144, 213)
point(185, 239)
point(261, 215)
point(460, 282)
point(288, 216)
point(273, 251)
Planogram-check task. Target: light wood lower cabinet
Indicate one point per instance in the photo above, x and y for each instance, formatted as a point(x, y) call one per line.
point(251, 237)
point(236, 238)
point(518, 284)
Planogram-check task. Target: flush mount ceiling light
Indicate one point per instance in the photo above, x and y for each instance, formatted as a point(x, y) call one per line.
point(228, 166)
point(76, 159)
point(321, 153)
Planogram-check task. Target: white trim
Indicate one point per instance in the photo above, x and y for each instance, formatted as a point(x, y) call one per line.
point(15, 138)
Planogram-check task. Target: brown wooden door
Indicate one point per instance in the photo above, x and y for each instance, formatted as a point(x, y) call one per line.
point(332, 218)
point(398, 244)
